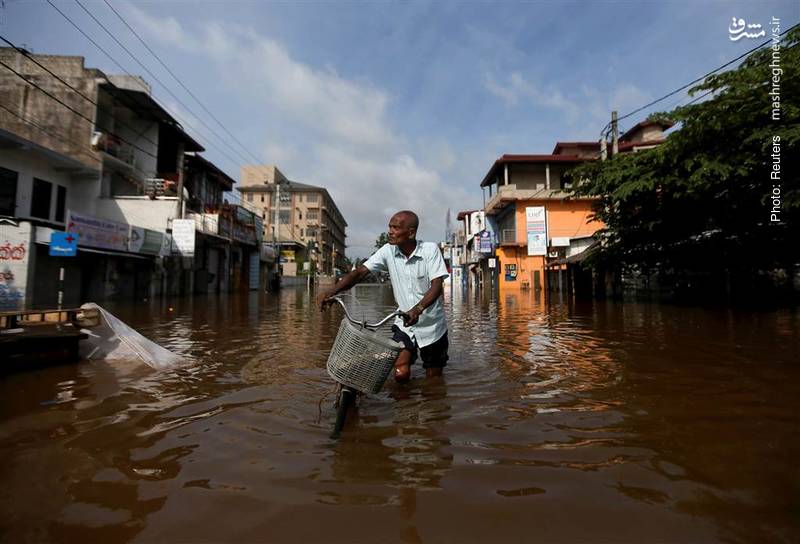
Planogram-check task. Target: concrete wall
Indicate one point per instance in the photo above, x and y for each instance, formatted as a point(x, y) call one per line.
point(69, 134)
point(16, 261)
point(139, 211)
point(259, 174)
point(30, 164)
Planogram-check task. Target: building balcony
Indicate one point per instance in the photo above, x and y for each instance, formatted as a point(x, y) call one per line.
point(507, 194)
point(508, 237)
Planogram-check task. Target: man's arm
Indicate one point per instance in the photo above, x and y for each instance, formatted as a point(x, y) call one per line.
point(346, 282)
point(430, 297)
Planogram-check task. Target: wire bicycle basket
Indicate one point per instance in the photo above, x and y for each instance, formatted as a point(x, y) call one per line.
point(362, 358)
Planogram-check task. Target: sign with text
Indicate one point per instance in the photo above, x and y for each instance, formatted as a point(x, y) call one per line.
point(183, 236)
point(63, 244)
point(98, 232)
point(486, 242)
point(536, 228)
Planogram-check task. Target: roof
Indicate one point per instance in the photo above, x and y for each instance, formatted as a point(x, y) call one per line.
point(663, 123)
point(202, 163)
point(559, 145)
point(144, 105)
point(462, 215)
point(292, 187)
point(625, 146)
point(531, 159)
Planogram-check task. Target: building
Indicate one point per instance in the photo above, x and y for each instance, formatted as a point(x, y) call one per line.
point(533, 226)
point(302, 220)
point(96, 156)
point(473, 223)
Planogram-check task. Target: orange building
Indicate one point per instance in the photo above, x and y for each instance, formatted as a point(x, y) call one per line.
point(535, 225)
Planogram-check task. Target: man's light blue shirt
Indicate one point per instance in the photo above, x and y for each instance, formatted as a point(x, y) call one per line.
point(411, 278)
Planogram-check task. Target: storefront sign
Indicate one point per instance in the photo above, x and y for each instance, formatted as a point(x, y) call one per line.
point(486, 242)
point(63, 244)
point(536, 227)
point(15, 242)
point(511, 272)
point(98, 232)
point(145, 241)
point(183, 236)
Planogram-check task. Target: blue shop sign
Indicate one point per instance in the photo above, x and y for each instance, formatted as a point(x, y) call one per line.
point(63, 244)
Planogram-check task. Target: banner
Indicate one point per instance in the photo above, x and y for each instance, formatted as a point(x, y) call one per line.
point(536, 228)
point(486, 242)
point(183, 236)
point(97, 232)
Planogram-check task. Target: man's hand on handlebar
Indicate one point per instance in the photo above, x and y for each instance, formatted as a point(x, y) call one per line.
point(411, 317)
point(324, 300)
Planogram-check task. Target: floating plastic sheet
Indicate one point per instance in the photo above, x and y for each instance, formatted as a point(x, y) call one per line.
point(111, 339)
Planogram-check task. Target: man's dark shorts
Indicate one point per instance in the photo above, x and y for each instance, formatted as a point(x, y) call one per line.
point(433, 355)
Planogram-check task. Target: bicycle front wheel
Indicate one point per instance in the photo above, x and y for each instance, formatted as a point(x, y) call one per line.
point(346, 399)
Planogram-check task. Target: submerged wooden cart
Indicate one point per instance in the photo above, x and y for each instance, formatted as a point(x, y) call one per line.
point(37, 337)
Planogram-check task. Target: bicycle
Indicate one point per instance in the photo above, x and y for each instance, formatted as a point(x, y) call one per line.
point(360, 361)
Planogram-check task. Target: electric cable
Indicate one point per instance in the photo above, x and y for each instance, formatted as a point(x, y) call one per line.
point(90, 153)
point(637, 110)
point(185, 88)
point(74, 111)
point(155, 78)
point(77, 91)
point(122, 68)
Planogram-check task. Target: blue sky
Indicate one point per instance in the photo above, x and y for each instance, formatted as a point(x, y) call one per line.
point(401, 105)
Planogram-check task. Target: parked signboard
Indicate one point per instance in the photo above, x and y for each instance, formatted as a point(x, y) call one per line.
point(183, 236)
point(536, 227)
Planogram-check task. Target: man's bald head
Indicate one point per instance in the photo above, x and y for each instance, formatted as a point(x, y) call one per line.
point(409, 218)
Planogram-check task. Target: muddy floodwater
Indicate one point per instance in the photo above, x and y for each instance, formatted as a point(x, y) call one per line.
point(555, 422)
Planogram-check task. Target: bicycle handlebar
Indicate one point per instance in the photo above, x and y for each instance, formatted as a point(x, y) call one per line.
point(364, 323)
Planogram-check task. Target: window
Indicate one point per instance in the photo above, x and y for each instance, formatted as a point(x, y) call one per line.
point(300, 197)
point(301, 233)
point(61, 203)
point(312, 214)
point(312, 197)
point(300, 214)
point(262, 197)
point(8, 191)
point(40, 203)
point(249, 197)
point(285, 217)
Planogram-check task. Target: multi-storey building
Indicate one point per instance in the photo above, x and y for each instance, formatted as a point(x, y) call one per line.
point(301, 219)
point(535, 227)
point(97, 156)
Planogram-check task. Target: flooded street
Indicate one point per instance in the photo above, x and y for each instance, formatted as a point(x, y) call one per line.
point(556, 422)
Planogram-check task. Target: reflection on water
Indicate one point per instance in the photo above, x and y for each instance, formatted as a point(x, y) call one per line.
point(555, 421)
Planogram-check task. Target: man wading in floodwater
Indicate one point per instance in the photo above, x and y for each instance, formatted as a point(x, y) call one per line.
point(417, 271)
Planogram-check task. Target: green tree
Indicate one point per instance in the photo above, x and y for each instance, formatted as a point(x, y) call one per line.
point(381, 240)
point(702, 200)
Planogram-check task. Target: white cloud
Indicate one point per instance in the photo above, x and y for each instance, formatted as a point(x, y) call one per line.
point(340, 137)
point(516, 88)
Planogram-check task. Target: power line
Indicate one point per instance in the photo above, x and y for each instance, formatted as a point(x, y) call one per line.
point(637, 110)
point(185, 88)
point(122, 68)
point(151, 74)
point(77, 91)
point(90, 153)
point(44, 130)
point(74, 111)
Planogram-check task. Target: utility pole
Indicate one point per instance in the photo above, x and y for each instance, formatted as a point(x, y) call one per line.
point(603, 147)
point(614, 134)
point(181, 166)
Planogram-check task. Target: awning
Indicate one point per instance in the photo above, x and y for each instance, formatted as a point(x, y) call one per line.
point(144, 105)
